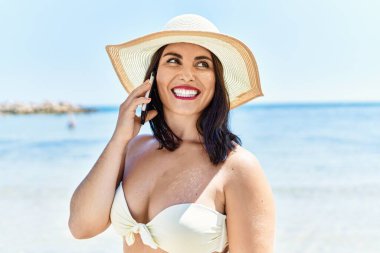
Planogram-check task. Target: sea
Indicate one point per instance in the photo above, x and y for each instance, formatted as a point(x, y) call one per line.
point(322, 161)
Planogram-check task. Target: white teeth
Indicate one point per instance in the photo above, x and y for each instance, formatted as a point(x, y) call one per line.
point(185, 92)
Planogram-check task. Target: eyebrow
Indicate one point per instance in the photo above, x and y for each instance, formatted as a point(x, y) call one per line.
point(202, 57)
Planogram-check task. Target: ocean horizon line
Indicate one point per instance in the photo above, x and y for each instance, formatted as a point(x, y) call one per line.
point(292, 104)
point(105, 108)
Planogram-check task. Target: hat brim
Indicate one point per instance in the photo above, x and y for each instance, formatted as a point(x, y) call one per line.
point(131, 60)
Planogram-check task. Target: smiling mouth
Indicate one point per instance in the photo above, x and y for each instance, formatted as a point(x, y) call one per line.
point(185, 93)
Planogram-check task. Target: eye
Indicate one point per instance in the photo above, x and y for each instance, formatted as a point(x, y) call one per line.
point(173, 60)
point(203, 64)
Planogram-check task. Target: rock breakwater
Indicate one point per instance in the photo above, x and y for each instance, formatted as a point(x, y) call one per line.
point(46, 107)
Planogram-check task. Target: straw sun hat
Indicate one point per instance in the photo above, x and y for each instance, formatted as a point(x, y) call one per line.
point(131, 59)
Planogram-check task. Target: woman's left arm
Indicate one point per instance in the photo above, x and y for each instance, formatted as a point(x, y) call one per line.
point(250, 206)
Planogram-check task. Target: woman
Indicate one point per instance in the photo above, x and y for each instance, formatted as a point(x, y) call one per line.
point(189, 188)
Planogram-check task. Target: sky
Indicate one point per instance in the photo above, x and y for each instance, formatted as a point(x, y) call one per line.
point(307, 51)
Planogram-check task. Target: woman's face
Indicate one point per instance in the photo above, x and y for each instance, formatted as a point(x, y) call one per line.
point(185, 78)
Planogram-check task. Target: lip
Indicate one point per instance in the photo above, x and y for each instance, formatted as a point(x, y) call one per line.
point(185, 87)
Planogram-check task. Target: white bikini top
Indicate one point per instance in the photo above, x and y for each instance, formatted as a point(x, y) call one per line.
point(181, 228)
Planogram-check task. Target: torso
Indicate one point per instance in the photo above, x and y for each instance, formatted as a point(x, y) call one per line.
point(156, 179)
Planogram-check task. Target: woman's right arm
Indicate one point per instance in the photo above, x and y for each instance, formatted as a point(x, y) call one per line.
point(91, 202)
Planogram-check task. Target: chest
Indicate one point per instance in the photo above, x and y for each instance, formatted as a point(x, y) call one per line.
point(156, 179)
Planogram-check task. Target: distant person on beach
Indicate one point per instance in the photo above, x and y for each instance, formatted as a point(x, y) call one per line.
point(190, 187)
point(71, 121)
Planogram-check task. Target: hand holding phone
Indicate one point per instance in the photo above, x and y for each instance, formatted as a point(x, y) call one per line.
point(147, 95)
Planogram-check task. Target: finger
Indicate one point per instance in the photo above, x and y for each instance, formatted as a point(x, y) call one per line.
point(141, 90)
point(139, 101)
point(151, 114)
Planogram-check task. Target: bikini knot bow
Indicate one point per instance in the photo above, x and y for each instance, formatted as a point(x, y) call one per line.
point(146, 237)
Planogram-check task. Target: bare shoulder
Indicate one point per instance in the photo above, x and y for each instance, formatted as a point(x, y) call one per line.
point(249, 204)
point(136, 150)
point(241, 162)
point(243, 171)
point(139, 141)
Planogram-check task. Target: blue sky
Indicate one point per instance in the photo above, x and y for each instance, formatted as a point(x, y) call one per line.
point(307, 51)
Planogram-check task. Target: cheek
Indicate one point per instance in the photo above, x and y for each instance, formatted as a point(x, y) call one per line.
point(164, 76)
point(160, 79)
point(209, 81)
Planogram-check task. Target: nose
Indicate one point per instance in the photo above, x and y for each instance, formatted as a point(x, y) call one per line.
point(187, 74)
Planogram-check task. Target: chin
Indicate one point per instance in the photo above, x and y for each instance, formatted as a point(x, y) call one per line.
point(186, 111)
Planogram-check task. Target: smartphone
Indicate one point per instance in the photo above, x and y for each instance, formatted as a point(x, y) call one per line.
point(147, 95)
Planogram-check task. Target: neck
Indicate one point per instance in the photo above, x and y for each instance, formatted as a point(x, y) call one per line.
point(184, 126)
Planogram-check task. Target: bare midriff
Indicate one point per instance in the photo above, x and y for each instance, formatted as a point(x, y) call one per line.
point(139, 247)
